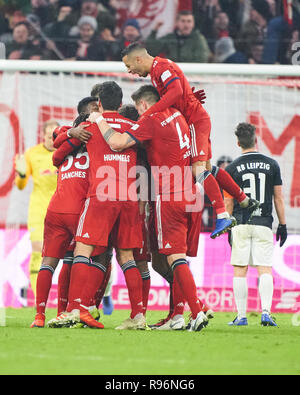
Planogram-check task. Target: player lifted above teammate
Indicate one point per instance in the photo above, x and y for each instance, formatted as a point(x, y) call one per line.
point(175, 91)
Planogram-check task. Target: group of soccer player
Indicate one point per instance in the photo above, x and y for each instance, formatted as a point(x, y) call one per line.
point(104, 201)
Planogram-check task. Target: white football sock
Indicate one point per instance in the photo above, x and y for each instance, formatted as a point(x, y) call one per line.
point(223, 215)
point(266, 291)
point(240, 289)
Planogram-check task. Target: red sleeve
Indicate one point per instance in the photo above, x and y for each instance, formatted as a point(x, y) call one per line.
point(64, 150)
point(62, 137)
point(174, 92)
point(142, 130)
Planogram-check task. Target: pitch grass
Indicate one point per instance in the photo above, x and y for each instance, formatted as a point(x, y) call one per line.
point(218, 349)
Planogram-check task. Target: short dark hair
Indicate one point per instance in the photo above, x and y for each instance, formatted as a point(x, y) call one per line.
point(82, 109)
point(129, 111)
point(245, 133)
point(82, 105)
point(136, 46)
point(146, 92)
point(95, 90)
point(110, 95)
point(184, 13)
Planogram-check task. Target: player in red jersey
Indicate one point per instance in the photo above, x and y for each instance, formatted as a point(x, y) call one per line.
point(62, 218)
point(175, 91)
point(111, 208)
point(142, 255)
point(167, 141)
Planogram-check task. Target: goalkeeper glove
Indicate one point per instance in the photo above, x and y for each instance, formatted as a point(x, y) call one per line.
point(199, 95)
point(20, 165)
point(281, 234)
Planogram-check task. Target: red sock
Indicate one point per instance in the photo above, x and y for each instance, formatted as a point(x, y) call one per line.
point(171, 300)
point(134, 285)
point(227, 183)
point(63, 287)
point(212, 189)
point(79, 277)
point(187, 284)
point(94, 281)
point(101, 291)
point(43, 286)
point(178, 298)
point(146, 288)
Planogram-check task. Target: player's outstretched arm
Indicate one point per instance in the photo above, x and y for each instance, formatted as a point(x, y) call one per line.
point(117, 141)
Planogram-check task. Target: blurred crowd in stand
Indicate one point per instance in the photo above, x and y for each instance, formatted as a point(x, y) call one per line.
point(219, 31)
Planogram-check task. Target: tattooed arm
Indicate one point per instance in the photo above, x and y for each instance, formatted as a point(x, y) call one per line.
point(117, 141)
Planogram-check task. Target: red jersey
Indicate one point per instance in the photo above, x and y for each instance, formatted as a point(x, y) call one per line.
point(167, 141)
point(72, 184)
point(163, 74)
point(112, 173)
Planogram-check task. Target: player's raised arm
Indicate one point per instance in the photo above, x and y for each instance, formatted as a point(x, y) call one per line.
point(117, 141)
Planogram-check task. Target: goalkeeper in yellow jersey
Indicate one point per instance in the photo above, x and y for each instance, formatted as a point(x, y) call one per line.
point(37, 162)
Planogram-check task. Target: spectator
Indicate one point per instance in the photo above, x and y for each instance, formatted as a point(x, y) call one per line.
point(20, 47)
point(225, 52)
point(254, 29)
point(35, 34)
point(44, 10)
point(256, 53)
point(105, 18)
point(9, 23)
point(108, 43)
point(130, 33)
point(185, 44)
point(86, 47)
point(219, 29)
point(279, 35)
point(58, 31)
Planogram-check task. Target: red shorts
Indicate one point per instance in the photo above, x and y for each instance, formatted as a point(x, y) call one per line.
point(143, 254)
point(120, 219)
point(176, 227)
point(200, 140)
point(59, 231)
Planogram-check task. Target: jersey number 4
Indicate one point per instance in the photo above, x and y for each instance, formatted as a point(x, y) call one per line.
point(184, 141)
point(257, 182)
